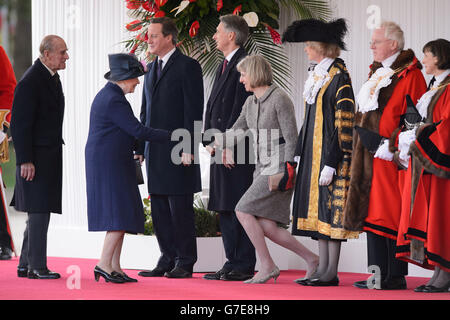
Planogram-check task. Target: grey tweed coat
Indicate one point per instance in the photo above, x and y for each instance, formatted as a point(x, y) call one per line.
point(270, 121)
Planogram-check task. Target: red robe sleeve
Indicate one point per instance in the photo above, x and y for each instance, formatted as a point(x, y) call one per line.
point(433, 141)
point(7, 84)
point(413, 83)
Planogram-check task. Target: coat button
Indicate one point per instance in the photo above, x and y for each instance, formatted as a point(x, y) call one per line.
point(219, 120)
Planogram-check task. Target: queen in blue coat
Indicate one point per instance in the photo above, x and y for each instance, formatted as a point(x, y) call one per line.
point(113, 199)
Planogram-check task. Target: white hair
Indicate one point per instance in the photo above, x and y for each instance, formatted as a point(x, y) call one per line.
point(393, 31)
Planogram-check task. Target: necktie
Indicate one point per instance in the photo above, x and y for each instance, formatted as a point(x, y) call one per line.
point(57, 83)
point(433, 80)
point(159, 69)
point(224, 66)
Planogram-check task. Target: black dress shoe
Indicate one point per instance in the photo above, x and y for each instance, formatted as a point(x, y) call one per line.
point(43, 274)
point(5, 253)
point(394, 284)
point(22, 272)
point(319, 283)
point(178, 273)
point(236, 276)
point(157, 272)
point(215, 276)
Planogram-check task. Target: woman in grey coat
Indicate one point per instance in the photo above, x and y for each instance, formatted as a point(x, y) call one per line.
point(268, 117)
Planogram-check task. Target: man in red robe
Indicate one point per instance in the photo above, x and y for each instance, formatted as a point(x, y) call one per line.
point(7, 86)
point(374, 200)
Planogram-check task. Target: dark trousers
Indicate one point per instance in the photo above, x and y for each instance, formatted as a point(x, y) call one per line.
point(5, 238)
point(173, 222)
point(381, 253)
point(34, 246)
point(239, 250)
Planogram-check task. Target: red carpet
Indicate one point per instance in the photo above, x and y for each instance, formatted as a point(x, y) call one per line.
point(14, 288)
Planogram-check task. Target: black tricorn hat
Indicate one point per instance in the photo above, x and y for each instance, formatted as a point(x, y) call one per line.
point(317, 30)
point(124, 66)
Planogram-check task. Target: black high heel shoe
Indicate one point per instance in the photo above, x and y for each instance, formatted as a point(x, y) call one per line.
point(433, 289)
point(124, 276)
point(108, 277)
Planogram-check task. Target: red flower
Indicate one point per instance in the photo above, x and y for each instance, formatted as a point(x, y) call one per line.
point(192, 0)
point(219, 5)
point(160, 3)
point(159, 14)
point(275, 35)
point(149, 6)
point(142, 36)
point(134, 25)
point(133, 4)
point(133, 50)
point(237, 10)
point(194, 29)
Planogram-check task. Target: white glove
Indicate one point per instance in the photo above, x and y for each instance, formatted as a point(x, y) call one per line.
point(383, 152)
point(326, 176)
point(297, 159)
point(404, 142)
point(2, 136)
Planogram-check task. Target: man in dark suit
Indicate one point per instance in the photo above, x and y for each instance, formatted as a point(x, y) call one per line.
point(172, 99)
point(228, 185)
point(36, 129)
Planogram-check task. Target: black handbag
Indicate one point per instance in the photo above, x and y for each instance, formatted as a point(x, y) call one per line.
point(139, 176)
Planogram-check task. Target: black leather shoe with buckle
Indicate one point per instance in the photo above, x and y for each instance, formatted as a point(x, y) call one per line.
point(236, 276)
point(43, 274)
point(215, 276)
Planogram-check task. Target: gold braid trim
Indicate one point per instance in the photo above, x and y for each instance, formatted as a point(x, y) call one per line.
point(4, 145)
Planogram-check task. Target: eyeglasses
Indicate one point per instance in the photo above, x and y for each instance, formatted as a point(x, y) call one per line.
point(377, 42)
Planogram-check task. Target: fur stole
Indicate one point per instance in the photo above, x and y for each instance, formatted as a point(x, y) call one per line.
point(356, 208)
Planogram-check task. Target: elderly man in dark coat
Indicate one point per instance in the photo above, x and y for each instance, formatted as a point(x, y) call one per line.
point(228, 185)
point(36, 129)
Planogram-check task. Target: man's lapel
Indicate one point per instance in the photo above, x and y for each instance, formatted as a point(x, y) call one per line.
point(166, 68)
point(222, 78)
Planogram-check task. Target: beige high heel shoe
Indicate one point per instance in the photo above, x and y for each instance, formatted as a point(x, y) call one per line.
point(275, 273)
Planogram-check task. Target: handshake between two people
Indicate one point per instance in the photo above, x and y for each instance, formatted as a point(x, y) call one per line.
point(186, 158)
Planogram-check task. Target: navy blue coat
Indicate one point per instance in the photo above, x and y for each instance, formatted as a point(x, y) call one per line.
point(114, 202)
point(175, 101)
point(36, 129)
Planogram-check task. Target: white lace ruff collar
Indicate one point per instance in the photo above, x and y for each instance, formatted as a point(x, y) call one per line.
point(317, 78)
point(424, 101)
point(367, 97)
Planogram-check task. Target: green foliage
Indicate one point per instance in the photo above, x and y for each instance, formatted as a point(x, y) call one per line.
point(261, 41)
point(206, 222)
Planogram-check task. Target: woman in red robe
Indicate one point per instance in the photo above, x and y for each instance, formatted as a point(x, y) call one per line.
point(425, 223)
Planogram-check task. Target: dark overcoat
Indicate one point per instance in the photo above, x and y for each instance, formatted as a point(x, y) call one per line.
point(36, 129)
point(224, 106)
point(174, 101)
point(113, 198)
